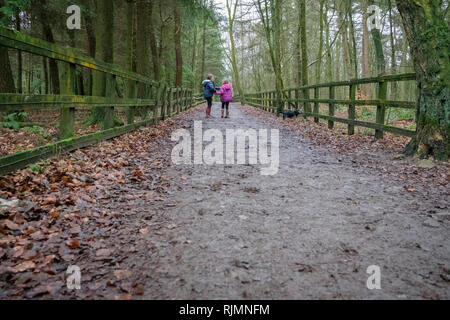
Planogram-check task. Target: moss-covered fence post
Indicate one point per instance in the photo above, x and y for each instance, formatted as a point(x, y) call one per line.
point(351, 108)
point(67, 115)
point(131, 94)
point(331, 107)
point(108, 121)
point(316, 104)
point(381, 107)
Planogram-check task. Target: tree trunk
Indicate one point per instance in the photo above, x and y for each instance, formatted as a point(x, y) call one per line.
point(6, 78)
point(353, 56)
point(153, 45)
point(142, 44)
point(131, 85)
point(90, 31)
point(194, 57)
point(393, 58)
point(48, 36)
point(365, 51)
point(303, 42)
point(19, 58)
point(231, 8)
point(202, 69)
point(104, 51)
point(379, 54)
point(320, 52)
point(329, 71)
point(177, 38)
point(428, 34)
point(342, 20)
point(277, 54)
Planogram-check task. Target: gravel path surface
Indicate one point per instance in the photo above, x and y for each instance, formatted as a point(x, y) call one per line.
point(310, 231)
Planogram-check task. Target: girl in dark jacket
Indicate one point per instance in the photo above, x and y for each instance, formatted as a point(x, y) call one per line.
point(210, 89)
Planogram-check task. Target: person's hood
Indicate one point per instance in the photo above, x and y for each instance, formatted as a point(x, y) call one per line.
point(226, 86)
point(205, 82)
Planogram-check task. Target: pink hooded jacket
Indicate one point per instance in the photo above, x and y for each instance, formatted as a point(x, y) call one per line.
point(226, 92)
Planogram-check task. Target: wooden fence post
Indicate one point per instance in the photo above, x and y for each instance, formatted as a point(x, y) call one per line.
point(266, 101)
point(306, 105)
point(274, 101)
point(381, 108)
point(108, 121)
point(316, 104)
point(351, 109)
point(185, 99)
point(159, 97)
point(162, 102)
point(131, 94)
point(331, 107)
point(289, 99)
point(181, 99)
point(177, 100)
point(67, 115)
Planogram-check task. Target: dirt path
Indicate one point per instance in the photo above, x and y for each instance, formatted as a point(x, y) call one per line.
point(311, 231)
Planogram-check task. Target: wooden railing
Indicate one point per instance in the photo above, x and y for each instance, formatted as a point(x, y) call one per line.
point(298, 98)
point(160, 100)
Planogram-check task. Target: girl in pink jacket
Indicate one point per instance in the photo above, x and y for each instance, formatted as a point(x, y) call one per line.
point(227, 96)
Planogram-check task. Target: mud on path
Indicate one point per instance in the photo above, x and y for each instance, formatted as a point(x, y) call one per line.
point(311, 231)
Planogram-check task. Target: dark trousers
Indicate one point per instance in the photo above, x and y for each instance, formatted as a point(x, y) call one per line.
point(225, 105)
point(209, 101)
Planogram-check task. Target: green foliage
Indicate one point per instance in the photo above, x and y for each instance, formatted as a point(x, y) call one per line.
point(11, 8)
point(37, 130)
point(37, 168)
point(13, 120)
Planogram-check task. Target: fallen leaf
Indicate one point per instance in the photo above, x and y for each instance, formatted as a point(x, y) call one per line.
point(49, 200)
point(24, 266)
point(11, 225)
point(138, 290)
point(103, 253)
point(47, 260)
point(122, 274)
point(137, 173)
point(73, 243)
point(54, 213)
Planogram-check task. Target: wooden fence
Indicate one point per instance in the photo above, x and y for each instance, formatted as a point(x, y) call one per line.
point(160, 101)
point(299, 98)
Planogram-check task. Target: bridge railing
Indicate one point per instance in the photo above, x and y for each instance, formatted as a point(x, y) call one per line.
point(157, 103)
point(299, 98)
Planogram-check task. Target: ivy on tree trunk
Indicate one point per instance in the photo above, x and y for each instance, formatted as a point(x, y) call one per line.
point(428, 34)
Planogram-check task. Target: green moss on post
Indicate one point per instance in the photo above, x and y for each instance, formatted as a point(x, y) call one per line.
point(67, 115)
point(316, 104)
point(108, 121)
point(381, 108)
point(132, 94)
point(331, 108)
point(351, 109)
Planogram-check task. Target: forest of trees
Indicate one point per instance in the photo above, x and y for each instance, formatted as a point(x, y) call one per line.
point(262, 44)
point(281, 44)
point(173, 41)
